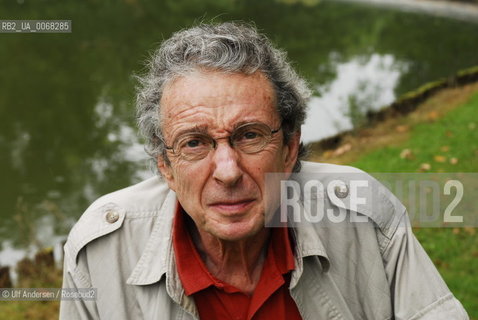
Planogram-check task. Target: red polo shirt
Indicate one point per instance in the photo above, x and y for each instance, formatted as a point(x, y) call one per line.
point(216, 299)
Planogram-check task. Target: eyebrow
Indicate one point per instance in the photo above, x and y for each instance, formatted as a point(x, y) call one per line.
point(241, 123)
point(195, 129)
point(204, 128)
point(244, 122)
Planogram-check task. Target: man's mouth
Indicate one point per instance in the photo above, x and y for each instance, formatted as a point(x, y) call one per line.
point(232, 207)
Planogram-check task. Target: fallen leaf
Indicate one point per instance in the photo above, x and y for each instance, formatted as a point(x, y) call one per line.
point(456, 230)
point(432, 115)
point(439, 158)
point(406, 154)
point(454, 160)
point(449, 133)
point(343, 149)
point(445, 148)
point(402, 128)
point(425, 167)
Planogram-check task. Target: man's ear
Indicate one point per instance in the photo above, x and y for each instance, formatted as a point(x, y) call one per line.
point(166, 171)
point(291, 151)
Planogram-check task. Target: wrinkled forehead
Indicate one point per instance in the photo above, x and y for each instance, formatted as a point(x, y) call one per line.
point(217, 100)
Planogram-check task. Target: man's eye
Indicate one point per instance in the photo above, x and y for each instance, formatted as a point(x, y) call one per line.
point(250, 135)
point(193, 143)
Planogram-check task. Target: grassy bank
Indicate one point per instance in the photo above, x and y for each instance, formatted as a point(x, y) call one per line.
point(440, 136)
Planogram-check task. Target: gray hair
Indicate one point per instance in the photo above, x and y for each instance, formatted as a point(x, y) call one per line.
point(229, 47)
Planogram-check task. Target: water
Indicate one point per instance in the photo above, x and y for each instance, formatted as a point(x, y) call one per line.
point(67, 132)
point(370, 80)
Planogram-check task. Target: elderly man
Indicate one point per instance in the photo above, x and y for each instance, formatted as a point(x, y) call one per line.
point(220, 109)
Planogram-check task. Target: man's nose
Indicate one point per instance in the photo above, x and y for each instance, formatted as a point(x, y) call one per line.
point(227, 170)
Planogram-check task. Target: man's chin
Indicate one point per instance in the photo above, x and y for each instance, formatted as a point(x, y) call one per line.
point(236, 232)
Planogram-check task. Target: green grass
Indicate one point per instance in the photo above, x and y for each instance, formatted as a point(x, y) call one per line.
point(457, 131)
point(455, 135)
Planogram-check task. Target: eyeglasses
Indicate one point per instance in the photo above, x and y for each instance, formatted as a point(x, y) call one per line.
point(248, 138)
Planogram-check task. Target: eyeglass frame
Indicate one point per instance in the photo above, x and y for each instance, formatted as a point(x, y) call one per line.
point(214, 143)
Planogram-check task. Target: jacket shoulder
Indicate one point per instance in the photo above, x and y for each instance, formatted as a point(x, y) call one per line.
point(352, 189)
point(108, 213)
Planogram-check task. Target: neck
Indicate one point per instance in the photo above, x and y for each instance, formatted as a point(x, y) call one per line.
point(238, 263)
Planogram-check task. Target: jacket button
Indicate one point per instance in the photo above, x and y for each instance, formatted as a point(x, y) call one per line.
point(112, 216)
point(341, 190)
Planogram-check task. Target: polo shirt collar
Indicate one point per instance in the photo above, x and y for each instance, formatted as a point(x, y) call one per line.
point(193, 273)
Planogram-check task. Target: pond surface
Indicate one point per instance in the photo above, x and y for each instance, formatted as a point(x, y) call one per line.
point(67, 132)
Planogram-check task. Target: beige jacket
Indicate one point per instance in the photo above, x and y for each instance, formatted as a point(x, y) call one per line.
point(122, 246)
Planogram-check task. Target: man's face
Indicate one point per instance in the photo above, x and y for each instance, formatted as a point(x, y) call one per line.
point(224, 193)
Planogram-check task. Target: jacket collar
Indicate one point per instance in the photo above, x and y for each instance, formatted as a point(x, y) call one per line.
point(307, 244)
point(158, 253)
